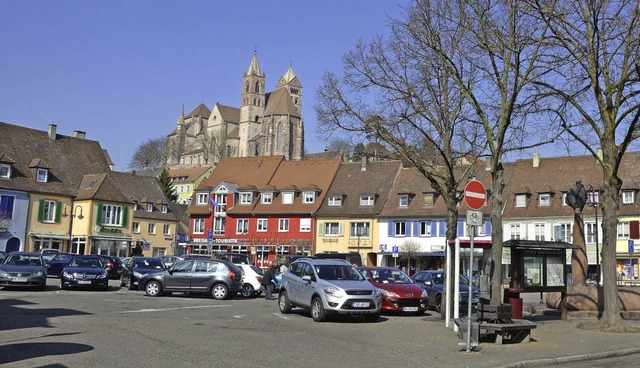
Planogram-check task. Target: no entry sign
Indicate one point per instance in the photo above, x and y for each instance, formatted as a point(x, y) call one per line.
point(475, 194)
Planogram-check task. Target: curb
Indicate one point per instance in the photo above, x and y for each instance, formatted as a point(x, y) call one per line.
point(571, 358)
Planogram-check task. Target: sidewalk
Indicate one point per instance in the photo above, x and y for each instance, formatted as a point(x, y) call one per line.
point(553, 341)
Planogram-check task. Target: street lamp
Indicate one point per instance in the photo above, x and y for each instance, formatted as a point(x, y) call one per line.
point(591, 201)
point(79, 216)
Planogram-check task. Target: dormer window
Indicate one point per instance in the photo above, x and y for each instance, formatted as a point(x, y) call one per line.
point(287, 198)
point(149, 207)
point(202, 198)
point(367, 200)
point(5, 171)
point(544, 200)
point(428, 200)
point(246, 198)
point(42, 175)
point(309, 197)
point(164, 208)
point(334, 201)
point(404, 200)
point(521, 200)
point(267, 197)
point(627, 196)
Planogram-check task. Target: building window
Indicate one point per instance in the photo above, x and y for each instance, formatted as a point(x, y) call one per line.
point(367, 200)
point(166, 229)
point(404, 200)
point(262, 225)
point(521, 200)
point(202, 199)
point(198, 226)
point(564, 232)
point(267, 198)
point(149, 207)
point(111, 215)
point(591, 232)
point(359, 230)
point(425, 228)
point(627, 197)
point(564, 199)
point(49, 214)
point(242, 226)
point(5, 171)
point(152, 228)
point(515, 231)
point(544, 200)
point(158, 252)
point(332, 229)
point(623, 230)
point(164, 208)
point(219, 225)
point(42, 175)
point(305, 225)
point(401, 228)
point(136, 228)
point(246, 198)
point(283, 225)
point(593, 197)
point(428, 200)
point(539, 231)
point(309, 197)
point(6, 206)
point(335, 201)
point(287, 198)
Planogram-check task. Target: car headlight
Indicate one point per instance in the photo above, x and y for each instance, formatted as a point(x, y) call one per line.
point(389, 294)
point(66, 274)
point(137, 275)
point(377, 293)
point(103, 275)
point(37, 274)
point(424, 294)
point(334, 291)
point(4, 273)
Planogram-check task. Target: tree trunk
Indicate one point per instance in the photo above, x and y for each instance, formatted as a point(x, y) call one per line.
point(497, 175)
point(452, 225)
point(579, 262)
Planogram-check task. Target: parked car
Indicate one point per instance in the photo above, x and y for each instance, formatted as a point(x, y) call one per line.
point(170, 260)
point(204, 257)
point(353, 258)
point(235, 258)
point(23, 269)
point(251, 277)
point(3, 255)
point(56, 263)
point(433, 282)
point(137, 267)
point(113, 265)
point(222, 279)
point(399, 292)
point(85, 272)
point(328, 287)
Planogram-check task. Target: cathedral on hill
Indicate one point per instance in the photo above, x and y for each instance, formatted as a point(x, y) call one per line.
point(266, 124)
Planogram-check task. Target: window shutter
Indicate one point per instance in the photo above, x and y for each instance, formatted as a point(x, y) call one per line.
point(557, 232)
point(40, 210)
point(487, 227)
point(321, 228)
point(125, 216)
point(460, 228)
point(434, 228)
point(416, 228)
point(634, 229)
point(391, 230)
point(407, 228)
point(442, 228)
point(99, 214)
point(340, 228)
point(58, 211)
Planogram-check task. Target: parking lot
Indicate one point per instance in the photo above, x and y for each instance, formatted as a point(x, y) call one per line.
point(77, 328)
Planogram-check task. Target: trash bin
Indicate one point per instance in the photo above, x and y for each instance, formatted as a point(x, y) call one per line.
point(512, 296)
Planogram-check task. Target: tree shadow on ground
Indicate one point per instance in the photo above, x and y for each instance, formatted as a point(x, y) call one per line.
point(12, 353)
point(14, 317)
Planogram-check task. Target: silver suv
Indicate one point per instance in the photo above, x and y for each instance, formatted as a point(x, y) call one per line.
point(328, 287)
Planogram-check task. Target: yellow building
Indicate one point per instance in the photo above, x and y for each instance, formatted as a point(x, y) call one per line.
point(185, 180)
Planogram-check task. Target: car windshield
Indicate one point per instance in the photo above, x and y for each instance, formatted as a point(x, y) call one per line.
point(256, 269)
point(49, 256)
point(338, 272)
point(23, 260)
point(438, 279)
point(61, 257)
point(149, 263)
point(390, 277)
point(85, 262)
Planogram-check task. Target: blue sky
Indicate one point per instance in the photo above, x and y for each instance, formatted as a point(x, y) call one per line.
point(120, 70)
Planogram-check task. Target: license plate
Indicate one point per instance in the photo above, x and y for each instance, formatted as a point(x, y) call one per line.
point(475, 300)
point(410, 309)
point(360, 304)
point(19, 279)
point(83, 282)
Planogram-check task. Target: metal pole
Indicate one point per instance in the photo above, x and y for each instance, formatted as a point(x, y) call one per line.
point(456, 284)
point(447, 282)
point(473, 231)
point(597, 247)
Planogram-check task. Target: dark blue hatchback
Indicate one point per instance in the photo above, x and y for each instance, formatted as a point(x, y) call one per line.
point(137, 267)
point(56, 263)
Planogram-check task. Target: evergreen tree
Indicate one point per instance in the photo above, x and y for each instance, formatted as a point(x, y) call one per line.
point(358, 152)
point(167, 188)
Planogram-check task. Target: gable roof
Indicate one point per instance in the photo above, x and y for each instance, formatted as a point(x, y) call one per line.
point(201, 110)
point(280, 103)
point(190, 174)
point(67, 158)
point(228, 113)
point(101, 187)
point(144, 189)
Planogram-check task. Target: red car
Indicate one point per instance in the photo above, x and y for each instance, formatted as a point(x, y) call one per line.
point(399, 292)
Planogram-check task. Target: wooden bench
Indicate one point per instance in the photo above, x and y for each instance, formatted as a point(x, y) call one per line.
point(496, 319)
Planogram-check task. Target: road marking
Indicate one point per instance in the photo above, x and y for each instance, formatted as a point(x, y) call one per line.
point(239, 316)
point(174, 308)
point(281, 316)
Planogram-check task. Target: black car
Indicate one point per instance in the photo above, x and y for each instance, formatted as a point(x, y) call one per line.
point(221, 279)
point(137, 267)
point(56, 263)
point(85, 272)
point(23, 269)
point(433, 282)
point(113, 266)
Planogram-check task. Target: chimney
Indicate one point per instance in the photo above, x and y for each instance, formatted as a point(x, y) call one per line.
point(363, 165)
point(52, 131)
point(79, 134)
point(536, 159)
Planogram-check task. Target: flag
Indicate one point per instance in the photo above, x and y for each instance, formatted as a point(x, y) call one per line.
point(213, 203)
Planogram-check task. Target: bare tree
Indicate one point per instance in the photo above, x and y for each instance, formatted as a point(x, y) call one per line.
point(148, 154)
point(213, 145)
point(594, 79)
point(409, 251)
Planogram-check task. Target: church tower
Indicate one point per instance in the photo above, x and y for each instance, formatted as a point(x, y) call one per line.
point(291, 82)
point(252, 106)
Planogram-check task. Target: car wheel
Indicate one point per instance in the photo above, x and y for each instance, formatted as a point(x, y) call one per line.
point(219, 291)
point(283, 303)
point(439, 303)
point(372, 317)
point(317, 310)
point(153, 288)
point(248, 291)
point(122, 283)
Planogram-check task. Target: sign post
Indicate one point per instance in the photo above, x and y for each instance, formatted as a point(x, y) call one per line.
point(475, 195)
point(394, 251)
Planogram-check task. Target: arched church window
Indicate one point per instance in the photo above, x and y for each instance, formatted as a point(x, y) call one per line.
point(296, 101)
point(246, 87)
point(254, 102)
point(279, 139)
point(228, 151)
point(257, 87)
point(257, 118)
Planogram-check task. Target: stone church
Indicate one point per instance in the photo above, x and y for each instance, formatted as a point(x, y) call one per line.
point(266, 124)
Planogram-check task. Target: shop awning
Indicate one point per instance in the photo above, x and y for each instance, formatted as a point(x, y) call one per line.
point(114, 238)
point(50, 236)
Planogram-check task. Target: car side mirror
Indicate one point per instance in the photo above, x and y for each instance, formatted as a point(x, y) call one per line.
point(428, 283)
point(170, 270)
point(307, 278)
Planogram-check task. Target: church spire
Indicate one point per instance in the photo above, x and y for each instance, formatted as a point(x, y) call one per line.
point(254, 67)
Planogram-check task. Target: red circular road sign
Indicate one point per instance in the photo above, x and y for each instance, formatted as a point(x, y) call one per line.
point(475, 194)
